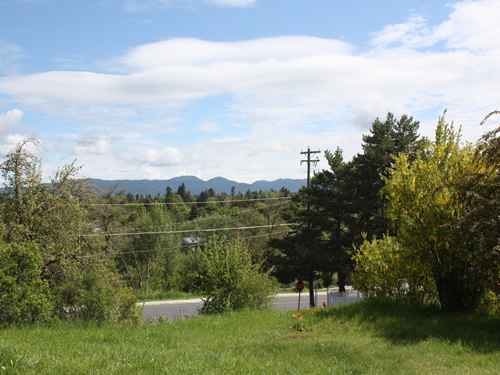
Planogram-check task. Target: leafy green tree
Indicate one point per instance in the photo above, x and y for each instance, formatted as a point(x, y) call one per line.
point(53, 217)
point(427, 202)
point(188, 275)
point(155, 255)
point(231, 281)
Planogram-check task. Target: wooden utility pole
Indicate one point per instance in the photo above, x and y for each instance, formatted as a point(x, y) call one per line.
point(314, 162)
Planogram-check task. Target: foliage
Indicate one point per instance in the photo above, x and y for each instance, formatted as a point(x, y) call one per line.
point(480, 224)
point(329, 197)
point(318, 244)
point(301, 254)
point(89, 297)
point(155, 254)
point(386, 140)
point(189, 271)
point(427, 203)
point(385, 268)
point(231, 280)
point(340, 204)
point(24, 297)
point(53, 217)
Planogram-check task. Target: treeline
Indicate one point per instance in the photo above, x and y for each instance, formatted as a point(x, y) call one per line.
point(160, 242)
point(208, 202)
point(69, 252)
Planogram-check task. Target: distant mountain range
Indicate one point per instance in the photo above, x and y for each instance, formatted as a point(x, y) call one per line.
point(196, 185)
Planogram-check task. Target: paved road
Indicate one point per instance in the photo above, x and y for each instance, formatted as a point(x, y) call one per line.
point(183, 309)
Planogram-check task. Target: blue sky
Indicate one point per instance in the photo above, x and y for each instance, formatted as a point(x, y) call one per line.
point(154, 89)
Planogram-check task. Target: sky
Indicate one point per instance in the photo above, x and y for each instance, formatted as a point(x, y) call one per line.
point(156, 89)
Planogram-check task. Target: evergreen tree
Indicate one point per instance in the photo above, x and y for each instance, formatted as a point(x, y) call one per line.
point(386, 140)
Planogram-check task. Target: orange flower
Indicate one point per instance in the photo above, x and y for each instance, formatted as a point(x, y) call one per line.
point(301, 318)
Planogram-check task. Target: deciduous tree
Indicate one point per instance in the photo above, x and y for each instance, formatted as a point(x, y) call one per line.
point(53, 217)
point(432, 209)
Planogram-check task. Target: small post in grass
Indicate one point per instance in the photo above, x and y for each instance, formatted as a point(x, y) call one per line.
point(299, 286)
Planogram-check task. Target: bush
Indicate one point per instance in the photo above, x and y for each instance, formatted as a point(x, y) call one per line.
point(24, 297)
point(93, 297)
point(385, 269)
point(231, 281)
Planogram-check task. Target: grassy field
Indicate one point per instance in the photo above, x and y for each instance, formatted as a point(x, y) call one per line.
point(371, 337)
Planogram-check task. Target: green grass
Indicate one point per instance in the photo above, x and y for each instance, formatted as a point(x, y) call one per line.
point(371, 337)
point(164, 296)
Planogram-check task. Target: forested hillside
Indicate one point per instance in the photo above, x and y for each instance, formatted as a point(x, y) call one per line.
point(196, 185)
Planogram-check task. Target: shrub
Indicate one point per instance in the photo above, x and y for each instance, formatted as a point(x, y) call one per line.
point(231, 281)
point(24, 297)
point(385, 269)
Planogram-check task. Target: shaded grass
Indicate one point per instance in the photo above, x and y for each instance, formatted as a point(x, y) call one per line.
point(372, 337)
point(403, 324)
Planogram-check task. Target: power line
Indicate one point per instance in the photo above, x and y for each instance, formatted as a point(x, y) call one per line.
point(184, 231)
point(211, 217)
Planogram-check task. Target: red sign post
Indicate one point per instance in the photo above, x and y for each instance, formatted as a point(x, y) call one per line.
point(299, 286)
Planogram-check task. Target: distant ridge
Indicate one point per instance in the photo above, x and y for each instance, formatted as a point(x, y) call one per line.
point(196, 185)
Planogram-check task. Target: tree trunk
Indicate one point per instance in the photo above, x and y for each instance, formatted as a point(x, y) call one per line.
point(128, 273)
point(311, 292)
point(139, 273)
point(341, 279)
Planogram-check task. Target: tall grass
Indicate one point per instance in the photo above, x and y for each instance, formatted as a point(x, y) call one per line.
point(371, 337)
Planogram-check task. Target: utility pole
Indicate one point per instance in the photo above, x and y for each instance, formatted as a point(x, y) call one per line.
point(314, 162)
point(309, 161)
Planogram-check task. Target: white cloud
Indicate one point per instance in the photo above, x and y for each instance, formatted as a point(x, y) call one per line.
point(9, 54)
point(88, 146)
point(472, 25)
point(194, 52)
point(368, 108)
point(8, 120)
point(209, 127)
point(167, 156)
point(413, 33)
